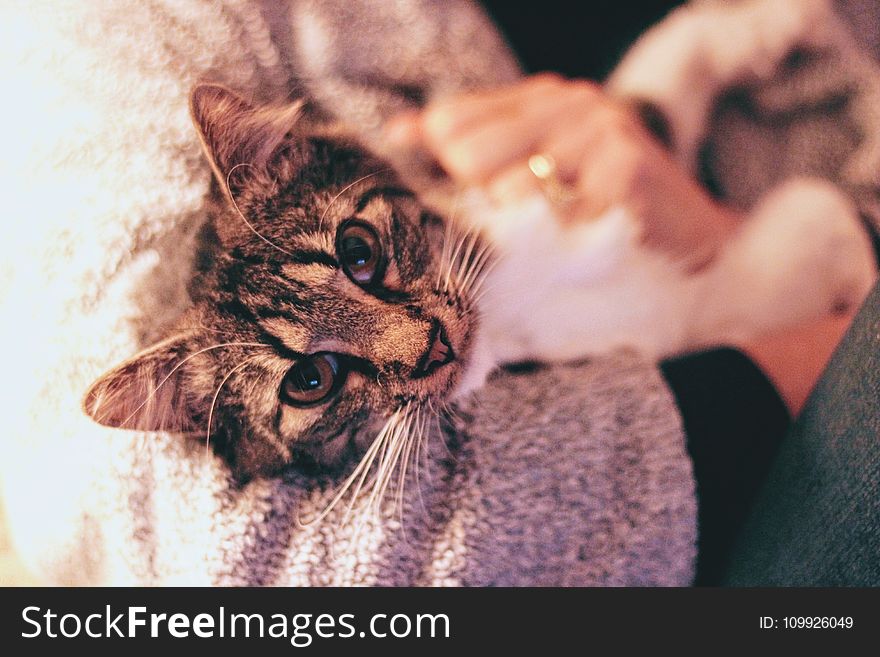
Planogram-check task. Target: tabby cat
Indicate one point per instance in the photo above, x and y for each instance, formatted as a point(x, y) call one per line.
point(338, 311)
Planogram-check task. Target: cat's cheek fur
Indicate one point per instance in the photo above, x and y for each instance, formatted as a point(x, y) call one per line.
point(250, 456)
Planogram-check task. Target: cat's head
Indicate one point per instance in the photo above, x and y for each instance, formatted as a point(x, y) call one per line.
point(333, 299)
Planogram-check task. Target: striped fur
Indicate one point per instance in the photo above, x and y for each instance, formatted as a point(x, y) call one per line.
point(270, 290)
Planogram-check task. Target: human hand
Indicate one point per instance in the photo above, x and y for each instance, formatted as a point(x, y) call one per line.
point(602, 154)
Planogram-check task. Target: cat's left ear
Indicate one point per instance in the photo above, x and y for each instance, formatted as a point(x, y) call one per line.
point(240, 141)
point(148, 392)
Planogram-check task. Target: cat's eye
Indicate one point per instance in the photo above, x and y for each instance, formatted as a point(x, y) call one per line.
point(312, 380)
point(360, 252)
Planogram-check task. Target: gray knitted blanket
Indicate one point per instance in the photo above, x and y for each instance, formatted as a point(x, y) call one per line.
point(566, 475)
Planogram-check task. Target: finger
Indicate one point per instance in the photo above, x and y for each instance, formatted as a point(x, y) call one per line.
point(609, 162)
point(514, 184)
point(484, 150)
point(447, 119)
point(580, 120)
point(481, 154)
point(591, 149)
point(403, 131)
point(586, 139)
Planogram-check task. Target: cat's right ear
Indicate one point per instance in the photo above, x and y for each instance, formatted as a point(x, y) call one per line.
point(239, 140)
point(146, 392)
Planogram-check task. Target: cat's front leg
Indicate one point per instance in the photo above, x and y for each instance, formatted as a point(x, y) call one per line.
point(801, 255)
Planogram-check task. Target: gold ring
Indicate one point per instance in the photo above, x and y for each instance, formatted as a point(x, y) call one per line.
point(544, 168)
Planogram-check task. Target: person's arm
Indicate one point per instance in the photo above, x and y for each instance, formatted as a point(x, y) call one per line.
point(816, 519)
point(795, 358)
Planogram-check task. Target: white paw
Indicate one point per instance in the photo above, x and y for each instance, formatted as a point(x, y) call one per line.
point(803, 254)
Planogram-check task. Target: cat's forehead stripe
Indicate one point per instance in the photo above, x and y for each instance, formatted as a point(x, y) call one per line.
point(316, 242)
point(381, 192)
point(314, 257)
point(294, 336)
point(310, 274)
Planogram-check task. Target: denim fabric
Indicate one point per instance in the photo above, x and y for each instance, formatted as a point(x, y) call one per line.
point(816, 522)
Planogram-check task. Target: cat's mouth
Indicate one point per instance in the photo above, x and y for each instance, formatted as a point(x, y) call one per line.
point(438, 353)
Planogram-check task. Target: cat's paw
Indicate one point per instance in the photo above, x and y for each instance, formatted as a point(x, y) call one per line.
point(802, 255)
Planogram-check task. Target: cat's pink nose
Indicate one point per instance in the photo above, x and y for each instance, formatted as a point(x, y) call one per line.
point(438, 354)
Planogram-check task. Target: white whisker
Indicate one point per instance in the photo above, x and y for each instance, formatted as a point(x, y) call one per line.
point(385, 469)
point(436, 413)
point(486, 268)
point(420, 437)
point(466, 256)
point(447, 410)
point(404, 465)
point(480, 260)
point(447, 238)
point(387, 465)
point(361, 469)
point(367, 462)
point(450, 411)
point(478, 296)
point(180, 364)
point(345, 189)
point(245, 362)
point(244, 219)
point(452, 260)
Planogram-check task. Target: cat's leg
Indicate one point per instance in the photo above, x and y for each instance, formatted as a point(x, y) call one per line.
point(803, 253)
point(559, 291)
point(685, 61)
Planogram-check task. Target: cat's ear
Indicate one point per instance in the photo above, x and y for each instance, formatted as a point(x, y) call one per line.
point(145, 393)
point(239, 140)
